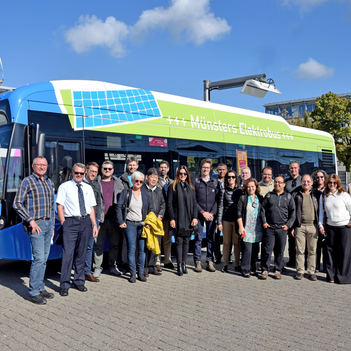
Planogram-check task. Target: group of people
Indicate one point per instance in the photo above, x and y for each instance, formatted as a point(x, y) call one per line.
point(313, 211)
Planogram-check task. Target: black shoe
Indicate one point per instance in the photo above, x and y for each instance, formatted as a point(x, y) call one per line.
point(46, 294)
point(179, 269)
point(142, 278)
point(237, 269)
point(81, 288)
point(169, 265)
point(38, 299)
point(132, 278)
point(246, 275)
point(218, 260)
point(146, 272)
point(184, 269)
point(224, 269)
point(64, 292)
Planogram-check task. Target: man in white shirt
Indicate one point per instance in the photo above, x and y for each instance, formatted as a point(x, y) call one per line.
point(75, 208)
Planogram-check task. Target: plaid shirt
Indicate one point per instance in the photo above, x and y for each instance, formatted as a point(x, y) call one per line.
point(35, 199)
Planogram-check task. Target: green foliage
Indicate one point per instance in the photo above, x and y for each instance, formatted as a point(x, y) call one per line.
point(332, 115)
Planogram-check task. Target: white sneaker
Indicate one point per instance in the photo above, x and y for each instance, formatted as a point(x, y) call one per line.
point(96, 273)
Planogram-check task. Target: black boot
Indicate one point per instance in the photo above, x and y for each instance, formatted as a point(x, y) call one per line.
point(185, 271)
point(179, 269)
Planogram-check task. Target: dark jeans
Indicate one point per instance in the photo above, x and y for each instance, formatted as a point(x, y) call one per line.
point(75, 238)
point(210, 230)
point(339, 254)
point(182, 248)
point(249, 252)
point(40, 250)
point(134, 241)
point(321, 248)
point(89, 256)
point(273, 240)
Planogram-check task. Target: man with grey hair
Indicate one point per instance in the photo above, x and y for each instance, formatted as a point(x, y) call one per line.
point(34, 202)
point(75, 208)
point(305, 228)
point(245, 174)
point(111, 187)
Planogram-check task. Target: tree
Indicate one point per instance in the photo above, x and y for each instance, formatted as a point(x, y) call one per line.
point(303, 121)
point(332, 115)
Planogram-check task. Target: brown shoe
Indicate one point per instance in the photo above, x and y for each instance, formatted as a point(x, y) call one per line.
point(264, 275)
point(158, 267)
point(91, 278)
point(198, 267)
point(278, 275)
point(209, 267)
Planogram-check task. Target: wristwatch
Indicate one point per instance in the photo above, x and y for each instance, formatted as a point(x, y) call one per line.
point(94, 225)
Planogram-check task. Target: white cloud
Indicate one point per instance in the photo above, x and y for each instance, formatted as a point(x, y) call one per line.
point(92, 31)
point(187, 18)
point(304, 5)
point(193, 18)
point(313, 70)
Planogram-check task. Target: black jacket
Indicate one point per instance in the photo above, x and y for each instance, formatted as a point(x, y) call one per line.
point(123, 203)
point(97, 193)
point(125, 180)
point(157, 200)
point(278, 210)
point(298, 198)
point(172, 208)
point(206, 195)
point(226, 207)
point(242, 205)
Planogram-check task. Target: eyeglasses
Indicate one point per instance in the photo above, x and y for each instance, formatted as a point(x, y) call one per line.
point(335, 183)
point(138, 181)
point(322, 177)
point(79, 173)
point(108, 169)
point(231, 177)
point(278, 182)
point(183, 173)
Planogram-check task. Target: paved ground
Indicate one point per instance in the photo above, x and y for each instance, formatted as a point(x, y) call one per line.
point(207, 311)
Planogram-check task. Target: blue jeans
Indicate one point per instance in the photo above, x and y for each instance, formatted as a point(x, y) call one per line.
point(134, 240)
point(210, 231)
point(40, 250)
point(89, 256)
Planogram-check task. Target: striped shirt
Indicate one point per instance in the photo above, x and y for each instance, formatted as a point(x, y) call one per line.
point(35, 199)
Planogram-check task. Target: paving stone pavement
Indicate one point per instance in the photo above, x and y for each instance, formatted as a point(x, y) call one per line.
point(198, 311)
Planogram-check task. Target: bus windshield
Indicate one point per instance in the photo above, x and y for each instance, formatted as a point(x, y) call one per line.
point(5, 134)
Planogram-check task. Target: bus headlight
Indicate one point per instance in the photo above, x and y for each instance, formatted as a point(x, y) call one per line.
point(2, 222)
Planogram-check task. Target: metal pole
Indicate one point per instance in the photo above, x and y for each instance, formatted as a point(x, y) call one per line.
point(207, 90)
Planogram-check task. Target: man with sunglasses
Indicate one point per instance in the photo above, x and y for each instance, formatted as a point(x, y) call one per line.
point(111, 188)
point(292, 183)
point(75, 208)
point(206, 192)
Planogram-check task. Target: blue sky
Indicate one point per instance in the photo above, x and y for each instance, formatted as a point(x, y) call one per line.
point(171, 46)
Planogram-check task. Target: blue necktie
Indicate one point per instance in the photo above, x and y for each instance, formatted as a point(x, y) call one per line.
point(81, 200)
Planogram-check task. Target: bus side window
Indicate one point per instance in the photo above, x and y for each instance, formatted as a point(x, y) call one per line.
point(61, 157)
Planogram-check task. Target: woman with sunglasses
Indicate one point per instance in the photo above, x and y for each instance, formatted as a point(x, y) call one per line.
point(250, 225)
point(318, 177)
point(226, 221)
point(337, 206)
point(182, 211)
point(136, 205)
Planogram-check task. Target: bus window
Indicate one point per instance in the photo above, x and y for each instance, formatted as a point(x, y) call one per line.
point(15, 171)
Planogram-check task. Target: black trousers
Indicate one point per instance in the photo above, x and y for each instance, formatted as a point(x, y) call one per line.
point(273, 240)
point(182, 248)
point(75, 238)
point(339, 254)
